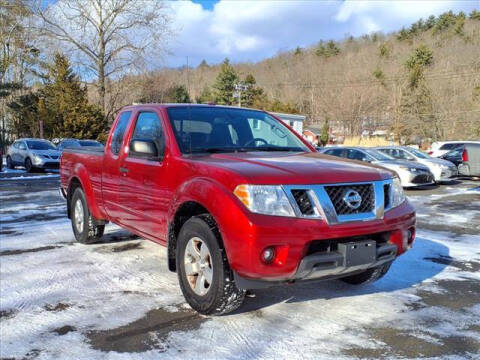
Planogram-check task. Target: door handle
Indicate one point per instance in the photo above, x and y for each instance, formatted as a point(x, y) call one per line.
point(123, 170)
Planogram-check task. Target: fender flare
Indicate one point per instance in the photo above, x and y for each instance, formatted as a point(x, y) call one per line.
point(80, 173)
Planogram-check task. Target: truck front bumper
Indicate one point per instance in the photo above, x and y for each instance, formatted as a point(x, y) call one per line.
point(325, 266)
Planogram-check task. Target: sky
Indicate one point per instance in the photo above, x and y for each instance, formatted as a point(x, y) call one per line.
point(258, 29)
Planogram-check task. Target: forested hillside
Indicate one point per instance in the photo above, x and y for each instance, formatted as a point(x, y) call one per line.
point(420, 82)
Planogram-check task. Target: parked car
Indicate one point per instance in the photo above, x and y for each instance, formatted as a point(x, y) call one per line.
point(33, 154)
point(75, 143)
point(240, 201)
point(442, 170)
point(410, 174)
point(440, 148)
point(466, 158)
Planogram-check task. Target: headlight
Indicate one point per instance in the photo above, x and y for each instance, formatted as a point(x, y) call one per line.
point(264, 199)
point(398, 196)
point(37, 158)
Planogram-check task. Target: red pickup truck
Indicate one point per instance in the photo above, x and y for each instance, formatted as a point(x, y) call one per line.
point(240, 200)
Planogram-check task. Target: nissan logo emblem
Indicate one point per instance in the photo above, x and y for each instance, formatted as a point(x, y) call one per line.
point(352, 199)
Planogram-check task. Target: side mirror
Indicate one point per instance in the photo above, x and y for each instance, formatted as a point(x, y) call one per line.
point(144, 149)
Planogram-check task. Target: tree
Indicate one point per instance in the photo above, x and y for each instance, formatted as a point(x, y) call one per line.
point(253, 92)
point(325, 135)
point(178, 94)
point(105, 37)
point(225, 84)
point(59, 109)
point(205, 96)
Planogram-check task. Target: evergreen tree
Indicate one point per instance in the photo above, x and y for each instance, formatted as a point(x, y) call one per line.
point(205, 96)
point(253, 92)
point(178, 94)
point(225, 84)
point(325, 135)
point(59, 109)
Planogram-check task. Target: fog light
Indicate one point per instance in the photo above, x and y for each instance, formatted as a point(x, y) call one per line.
point(268, 255)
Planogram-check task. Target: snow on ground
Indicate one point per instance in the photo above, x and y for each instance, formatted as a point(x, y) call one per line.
point(117, 300)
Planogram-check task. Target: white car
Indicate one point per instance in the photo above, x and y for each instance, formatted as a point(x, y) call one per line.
point(440, 148)
point(442, 170)
point(410, 174)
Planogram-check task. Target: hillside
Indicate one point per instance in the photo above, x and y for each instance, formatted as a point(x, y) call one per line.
point(420, 82)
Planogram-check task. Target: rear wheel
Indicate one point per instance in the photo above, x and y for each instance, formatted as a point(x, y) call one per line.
point(205, 277)
point(83, 224)
point(28, 165)
point(368, 276)
point(9, 163)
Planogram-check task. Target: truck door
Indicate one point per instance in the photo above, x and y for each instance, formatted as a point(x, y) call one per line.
point(144, 191)
point(111, 175)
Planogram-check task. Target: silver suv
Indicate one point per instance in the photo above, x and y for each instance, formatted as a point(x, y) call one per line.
point(33, 154)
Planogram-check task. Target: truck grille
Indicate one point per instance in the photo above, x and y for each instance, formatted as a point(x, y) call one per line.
point(338, 193)
point(303, 201)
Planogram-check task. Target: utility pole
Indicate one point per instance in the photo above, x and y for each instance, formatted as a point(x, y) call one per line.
point(238, 92)
point(188, 78)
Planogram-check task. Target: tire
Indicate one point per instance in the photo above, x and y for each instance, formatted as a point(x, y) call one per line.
point(221, 296)
point(9, 163)
point(368, 276)
point(84, 228)
point(28, 165)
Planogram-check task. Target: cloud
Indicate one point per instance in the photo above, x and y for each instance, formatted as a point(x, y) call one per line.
point(254, 30)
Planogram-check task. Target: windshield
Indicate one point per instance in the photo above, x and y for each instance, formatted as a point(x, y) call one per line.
point(418, 153)
point(377, 155)
point(218, 129)
point(90, 143)
point(69, 144)
point(40, 145)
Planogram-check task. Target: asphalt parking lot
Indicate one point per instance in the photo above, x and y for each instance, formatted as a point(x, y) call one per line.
point(117, 300)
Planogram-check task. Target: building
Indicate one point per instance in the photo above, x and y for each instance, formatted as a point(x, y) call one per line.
point(295, 121)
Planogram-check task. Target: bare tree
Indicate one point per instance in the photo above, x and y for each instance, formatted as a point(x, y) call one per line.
point(106, 37)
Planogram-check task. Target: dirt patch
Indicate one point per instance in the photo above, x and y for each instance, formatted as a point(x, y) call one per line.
point(57, 307)
point(23, 251)
point(146, 333)
point(5, 314)
point(468, 266)
point(400, 344)
point(119, 248)
point(119, 236)
point(37, 217)
point(5, 231)
point(64, 330)
point(458, 294)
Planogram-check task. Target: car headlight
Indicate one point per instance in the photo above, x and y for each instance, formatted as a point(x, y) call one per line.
point(264, 199)
point(398, 196)
point(37, 158)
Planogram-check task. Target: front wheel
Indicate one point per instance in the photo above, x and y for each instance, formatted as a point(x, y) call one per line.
point(84, 228)
point(204, 274)
point(367, 276)
point(28, 165)
point(9, 163)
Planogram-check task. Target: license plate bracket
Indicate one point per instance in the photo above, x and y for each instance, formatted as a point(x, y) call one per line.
point(359, 252)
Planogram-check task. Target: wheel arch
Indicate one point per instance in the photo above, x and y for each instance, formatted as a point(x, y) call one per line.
point(187, 210)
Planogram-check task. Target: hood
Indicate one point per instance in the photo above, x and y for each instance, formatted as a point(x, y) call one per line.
point(438, 161)
point(398, 163)
point(46, 152)
point(286, 168)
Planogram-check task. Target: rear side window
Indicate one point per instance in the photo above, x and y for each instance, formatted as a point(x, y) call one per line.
point(450, 146)
point(119, 132)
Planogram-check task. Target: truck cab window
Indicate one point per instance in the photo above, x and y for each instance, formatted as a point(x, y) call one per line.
point(148, 127)
point(117, 137)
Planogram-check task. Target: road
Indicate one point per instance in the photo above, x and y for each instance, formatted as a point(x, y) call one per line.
point(117, 300)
